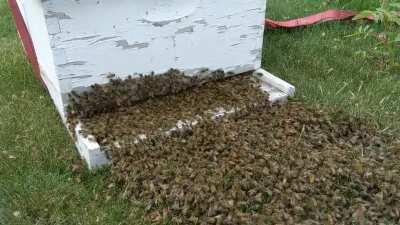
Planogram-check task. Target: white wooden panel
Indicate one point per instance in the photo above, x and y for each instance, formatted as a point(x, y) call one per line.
point(34, 18)
point(127, 37)
point(33, 14)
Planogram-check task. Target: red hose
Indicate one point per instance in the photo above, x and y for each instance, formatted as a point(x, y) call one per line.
point(329, 15)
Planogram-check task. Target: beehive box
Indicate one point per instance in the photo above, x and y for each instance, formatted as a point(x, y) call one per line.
point(75, 44)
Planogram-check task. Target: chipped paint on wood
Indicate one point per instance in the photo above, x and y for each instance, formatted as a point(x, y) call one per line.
point(87, 39)
point(125, 45)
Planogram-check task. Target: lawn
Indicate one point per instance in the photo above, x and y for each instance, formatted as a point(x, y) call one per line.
point(38, 185)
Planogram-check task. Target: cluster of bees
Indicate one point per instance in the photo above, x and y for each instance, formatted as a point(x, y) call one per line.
point(124, 93)
point(148, 104)
point(261, 164)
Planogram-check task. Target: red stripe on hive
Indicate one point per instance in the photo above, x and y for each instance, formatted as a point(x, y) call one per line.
point(25, 38)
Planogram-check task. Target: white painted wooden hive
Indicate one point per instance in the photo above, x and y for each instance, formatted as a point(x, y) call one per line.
point(78, 43)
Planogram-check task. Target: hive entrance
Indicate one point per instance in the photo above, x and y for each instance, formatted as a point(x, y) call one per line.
point(149, 105)
point(133, 109)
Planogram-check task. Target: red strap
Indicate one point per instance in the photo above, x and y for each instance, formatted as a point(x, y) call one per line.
point(329, 15)
point(25, 37)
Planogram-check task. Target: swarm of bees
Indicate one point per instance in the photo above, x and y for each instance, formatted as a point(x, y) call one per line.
point(159, 102)
point(124, 93)
point(261, 164)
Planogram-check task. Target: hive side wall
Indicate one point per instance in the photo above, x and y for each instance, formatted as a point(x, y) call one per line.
point(24, 36)
point(34, 18)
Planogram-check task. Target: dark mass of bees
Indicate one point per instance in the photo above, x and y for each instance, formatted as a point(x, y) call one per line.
point(162, 114)
point(261, 164)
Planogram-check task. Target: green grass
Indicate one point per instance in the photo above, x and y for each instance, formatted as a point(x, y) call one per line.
point(324, 65)
point(36, 153)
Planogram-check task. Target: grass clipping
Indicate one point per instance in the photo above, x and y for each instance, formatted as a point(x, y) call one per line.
point(260, 165)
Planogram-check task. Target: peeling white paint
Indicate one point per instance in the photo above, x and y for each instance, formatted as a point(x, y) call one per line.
point(126, 37)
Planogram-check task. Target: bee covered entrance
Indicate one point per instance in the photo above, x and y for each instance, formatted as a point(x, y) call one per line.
point(133, 109)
